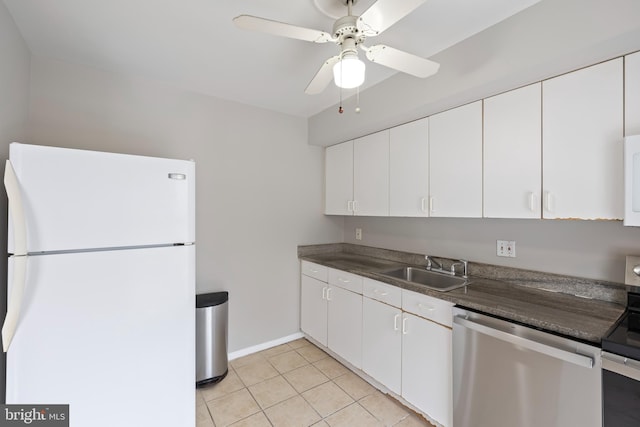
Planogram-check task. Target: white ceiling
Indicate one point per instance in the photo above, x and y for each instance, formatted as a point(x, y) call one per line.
point(192, 44)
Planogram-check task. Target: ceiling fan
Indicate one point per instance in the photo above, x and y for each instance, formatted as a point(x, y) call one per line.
point(349, 33)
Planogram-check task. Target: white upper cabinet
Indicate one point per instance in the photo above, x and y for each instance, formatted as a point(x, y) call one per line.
point(455, 163)
point(371, 174)
point(512, 154)
point(409, 169)
point(632, 94)
point(582, 116)
point(339, 179)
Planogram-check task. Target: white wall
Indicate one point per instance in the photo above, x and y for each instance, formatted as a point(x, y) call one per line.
point(14, 85)
point(259, 185)
point(592, 249)
point(550, 38)
point(14, 96)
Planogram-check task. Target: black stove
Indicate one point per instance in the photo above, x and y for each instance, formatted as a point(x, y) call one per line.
point(624, 338)
point(621, 369)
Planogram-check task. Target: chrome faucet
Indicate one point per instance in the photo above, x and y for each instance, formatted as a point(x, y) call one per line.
point(464, 265)
point(433, 265)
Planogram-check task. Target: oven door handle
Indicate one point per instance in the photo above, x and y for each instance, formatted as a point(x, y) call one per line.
point(621, 365)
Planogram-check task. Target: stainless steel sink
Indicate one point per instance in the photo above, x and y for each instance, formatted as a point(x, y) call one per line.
point(430, 279)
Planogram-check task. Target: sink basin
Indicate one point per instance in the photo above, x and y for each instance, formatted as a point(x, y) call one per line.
point(430, 279)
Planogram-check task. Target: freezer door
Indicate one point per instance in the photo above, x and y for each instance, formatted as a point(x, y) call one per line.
point(111, 333)
point(77, 199)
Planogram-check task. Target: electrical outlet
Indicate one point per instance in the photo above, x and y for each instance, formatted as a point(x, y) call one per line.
point(506, 248)
point(358, 233)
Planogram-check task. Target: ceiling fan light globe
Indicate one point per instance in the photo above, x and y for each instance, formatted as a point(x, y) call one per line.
point(348, 73)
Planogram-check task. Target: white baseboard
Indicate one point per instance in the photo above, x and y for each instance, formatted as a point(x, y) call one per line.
point(259, 347)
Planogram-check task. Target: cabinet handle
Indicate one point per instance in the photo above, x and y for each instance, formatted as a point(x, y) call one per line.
point(548, 201)
point(431, 204)
point(426, 307)
point(423, 203)
point(349, 206)
point(324, 293)
point(340, 279)
point(404, 326)
point(532, 201)
point(395, 322)
point(328, 294)
point(355, 206)
point(313, 271)
point(379, 292)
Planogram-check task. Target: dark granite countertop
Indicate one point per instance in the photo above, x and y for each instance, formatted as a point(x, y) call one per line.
point(586, 317)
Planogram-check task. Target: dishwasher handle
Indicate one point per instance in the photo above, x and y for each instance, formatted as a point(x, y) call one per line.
point(558, 353)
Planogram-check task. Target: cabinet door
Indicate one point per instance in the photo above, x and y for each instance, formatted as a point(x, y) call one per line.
point(345, 324)
point(409, 169)
point(339, 179)
point(582, 143)
point(382, 343)
point(371, 174)
point(455, 162)
point(632, 94)
point(313, 309)
point(513, 154)
point(426, 367)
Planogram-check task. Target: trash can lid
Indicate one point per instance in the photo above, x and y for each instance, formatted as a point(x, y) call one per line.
point(210, 299)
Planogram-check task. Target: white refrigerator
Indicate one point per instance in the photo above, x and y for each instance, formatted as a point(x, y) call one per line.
point(101, 286)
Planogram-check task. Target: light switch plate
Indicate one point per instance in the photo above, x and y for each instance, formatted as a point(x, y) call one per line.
point(631, 278)
point(506, 248)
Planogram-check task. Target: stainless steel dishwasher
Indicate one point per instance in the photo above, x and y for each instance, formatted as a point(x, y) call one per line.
point(509, 375)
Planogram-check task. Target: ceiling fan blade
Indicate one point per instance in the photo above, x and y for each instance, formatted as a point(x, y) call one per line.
point(253, 23)
point(401, 61)
point(323, 77)
point(384, 13)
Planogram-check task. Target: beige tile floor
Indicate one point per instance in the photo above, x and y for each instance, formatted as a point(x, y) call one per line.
point(297, 384)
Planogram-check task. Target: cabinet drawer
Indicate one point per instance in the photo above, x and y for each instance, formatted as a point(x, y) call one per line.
point(428, 307)
point(349, 281)
point(316, 271)
point(382, 292)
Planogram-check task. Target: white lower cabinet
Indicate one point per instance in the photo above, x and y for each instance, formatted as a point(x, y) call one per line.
point(313, 309)
point(400, 338)
point(331, 312)
point(408, 350)
point(426, 367)
point(345, 324)
point(382, 343)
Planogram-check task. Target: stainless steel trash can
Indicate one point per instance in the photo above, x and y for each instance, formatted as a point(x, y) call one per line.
point(211, 337)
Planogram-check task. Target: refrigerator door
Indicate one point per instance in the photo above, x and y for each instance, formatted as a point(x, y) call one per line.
point(78, 200)
point(112, 333)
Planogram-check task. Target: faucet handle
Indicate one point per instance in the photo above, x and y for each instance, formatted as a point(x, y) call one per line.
point(465, 265)
point(431, 262)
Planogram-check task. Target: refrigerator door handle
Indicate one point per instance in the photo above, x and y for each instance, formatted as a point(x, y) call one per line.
point(16, 210)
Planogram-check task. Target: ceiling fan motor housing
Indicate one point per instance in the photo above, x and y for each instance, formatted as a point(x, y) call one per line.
point(345, 28)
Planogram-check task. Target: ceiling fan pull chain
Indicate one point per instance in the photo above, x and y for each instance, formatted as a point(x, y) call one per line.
point(358, 100)
point(340, 109)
